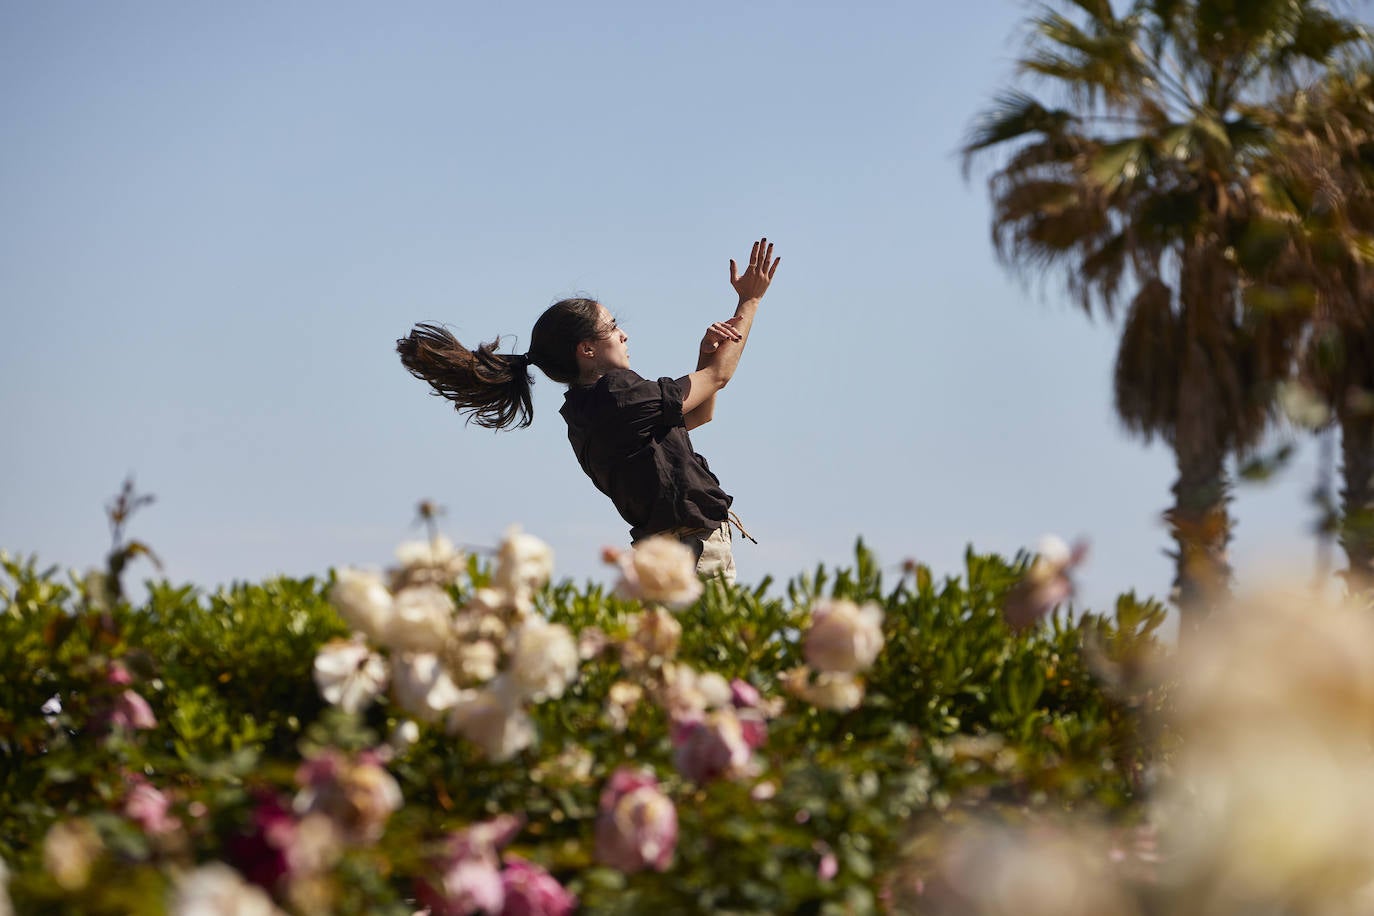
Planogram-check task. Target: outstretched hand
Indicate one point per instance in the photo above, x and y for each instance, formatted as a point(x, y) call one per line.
point(762, 266)
point(718, 333)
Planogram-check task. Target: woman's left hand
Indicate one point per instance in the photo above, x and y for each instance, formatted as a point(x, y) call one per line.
point(717, 334)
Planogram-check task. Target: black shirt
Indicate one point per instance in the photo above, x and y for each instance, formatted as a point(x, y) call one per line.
point(630, 438)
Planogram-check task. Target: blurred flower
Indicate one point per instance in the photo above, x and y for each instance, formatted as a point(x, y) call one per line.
point(470, 879)
point(523, 564)
point(531, 891)
point(422, 686)
point(715, 690)
point(843, 637)
point(591, 642)
point(1044, 871)
point(492, 719)
point(621, 700)
point(432, 562)
point(473, 661)
point(838, 692)
point(654, 637)
point(357, 794)
point(147, 806)
point(131, 711)
point(261, 850)
point(6, 905)
point(404, 736)
point(422, 620)
point(659, 569)
point(349, 674)
point(1046, 584)
point(712, 748)
point(70, 848)
point(215, 889)
point(827, 867)
point(1271, 799)
point(543, 660)
point(744, 695)
point(636, 827)
point(363, 601)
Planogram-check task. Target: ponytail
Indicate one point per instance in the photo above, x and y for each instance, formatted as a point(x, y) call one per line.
point(492, 388)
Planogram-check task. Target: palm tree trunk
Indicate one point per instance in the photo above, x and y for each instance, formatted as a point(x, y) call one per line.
point(1201, 527)
point(1357, 498)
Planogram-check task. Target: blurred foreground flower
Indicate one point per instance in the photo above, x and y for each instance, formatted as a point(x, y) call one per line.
point(544, 659)
point(523, 564)
point(493, 719)
point(1271, 804)
point(70, 849)
point(636, 827)
point(531, 891)
point(844, 637)
point(715, 747)
point(837, 692)
point(356, 793)
point(659, 569)
point(349, 674)
point(215, 889)
point(1046, 584)
point(470, 870)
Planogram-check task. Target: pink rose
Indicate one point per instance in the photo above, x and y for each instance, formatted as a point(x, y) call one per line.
point(531, 891)
point(147, 806)
point(637, 825)
point(131, 711)
point(712, 748)
point(470, 880)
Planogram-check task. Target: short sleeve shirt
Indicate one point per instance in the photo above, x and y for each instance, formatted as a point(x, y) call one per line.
point(629, 436)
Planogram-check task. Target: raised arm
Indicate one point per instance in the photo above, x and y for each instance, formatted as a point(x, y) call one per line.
point(714, 370)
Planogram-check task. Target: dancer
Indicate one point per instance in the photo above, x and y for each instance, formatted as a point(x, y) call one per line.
point(630, 434)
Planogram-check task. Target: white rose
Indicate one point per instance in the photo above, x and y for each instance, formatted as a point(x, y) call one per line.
point(363, 601)
point(523, 564)
point(544, 659)
point(348, 674)
point(437, 552)
point(715, 690)
point(472, 660)
point(422, 620)
point(492, 720)
point(432, 562)
point(844, 637)
point(660, 569)
point(217, 890)
point(423, 687)
point(840, 692)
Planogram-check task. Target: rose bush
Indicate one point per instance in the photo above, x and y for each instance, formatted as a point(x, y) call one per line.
point(466, 737)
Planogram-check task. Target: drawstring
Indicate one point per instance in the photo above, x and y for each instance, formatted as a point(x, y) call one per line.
point(733, 519)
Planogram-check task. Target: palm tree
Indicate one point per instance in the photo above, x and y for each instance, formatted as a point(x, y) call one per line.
point(1136, 179)
point(1321, 199)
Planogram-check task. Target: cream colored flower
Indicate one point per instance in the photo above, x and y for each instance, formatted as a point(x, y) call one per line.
point(216, 889)
point(431, 562)
point(523, 564)
point(6, 905)
point(621, 700)
point(472, 661)
point(70, 848)
point(362, 600)
point(422, 620)
point(660, 569)
point(422, 686)
point(654, 638)
point(844, 638)
point(714, 689)
point(493, 720)
point(840, 692)
point(348, 674)
point(543, 660)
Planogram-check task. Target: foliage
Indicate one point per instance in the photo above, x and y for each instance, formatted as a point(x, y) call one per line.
point(960, 712)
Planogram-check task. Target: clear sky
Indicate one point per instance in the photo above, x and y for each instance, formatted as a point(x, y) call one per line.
point(219, 217)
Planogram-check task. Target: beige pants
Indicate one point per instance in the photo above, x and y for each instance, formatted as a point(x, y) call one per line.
point(717, 558)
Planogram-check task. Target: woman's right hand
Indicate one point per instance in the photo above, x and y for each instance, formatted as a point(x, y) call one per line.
point(762, 266)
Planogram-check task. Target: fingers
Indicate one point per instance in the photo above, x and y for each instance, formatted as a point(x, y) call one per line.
point(725, 330)
point(754, 256)
point(774, 268)
point(734, 272)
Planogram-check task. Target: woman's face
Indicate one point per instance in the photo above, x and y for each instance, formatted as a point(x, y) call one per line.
point(610, 350)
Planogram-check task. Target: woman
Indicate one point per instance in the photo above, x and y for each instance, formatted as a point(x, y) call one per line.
point(629, 433)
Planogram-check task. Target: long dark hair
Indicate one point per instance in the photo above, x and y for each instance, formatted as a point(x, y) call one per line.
point(492, 388)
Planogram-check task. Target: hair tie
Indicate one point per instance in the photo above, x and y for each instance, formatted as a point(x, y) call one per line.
point(522, 361)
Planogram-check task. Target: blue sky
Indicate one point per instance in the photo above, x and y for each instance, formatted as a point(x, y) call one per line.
point(219, 218)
